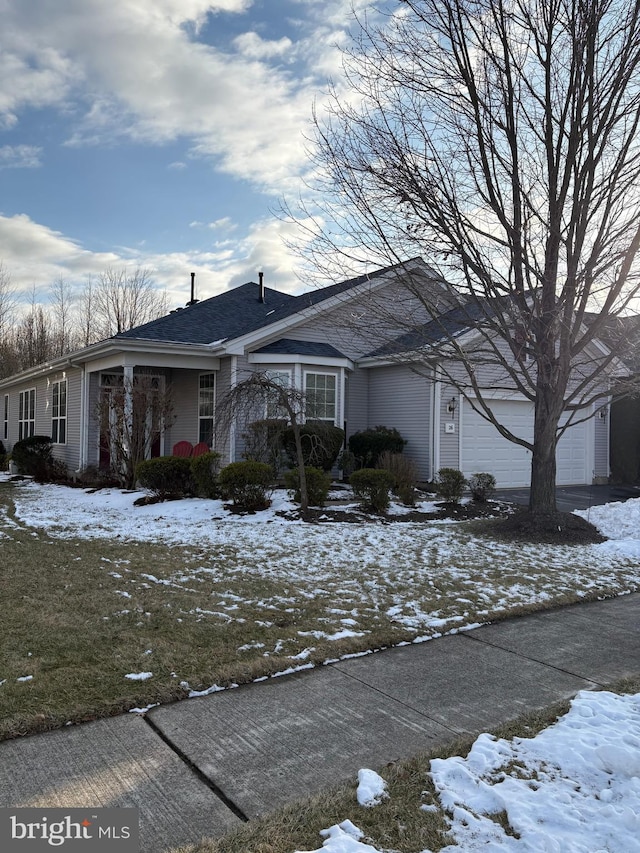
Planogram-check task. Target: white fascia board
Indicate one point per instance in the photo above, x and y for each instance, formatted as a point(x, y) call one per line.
point(297, 358)
point(266, 334)
point(118, 353)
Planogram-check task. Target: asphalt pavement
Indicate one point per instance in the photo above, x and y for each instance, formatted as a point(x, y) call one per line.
point(202, 766)
point(569, 498)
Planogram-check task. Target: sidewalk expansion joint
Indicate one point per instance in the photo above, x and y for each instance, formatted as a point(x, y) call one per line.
point(468, 636)
point(219, 793)
point(406, 705)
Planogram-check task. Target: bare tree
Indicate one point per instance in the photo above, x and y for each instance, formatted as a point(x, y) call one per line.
point(132, 415)
point(8, 302)
point(123, 299)
point(33, 336)
point(62, 301)
point(499, 139)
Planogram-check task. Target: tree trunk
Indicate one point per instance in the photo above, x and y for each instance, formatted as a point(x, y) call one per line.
point(302, 476)
point(542, 497)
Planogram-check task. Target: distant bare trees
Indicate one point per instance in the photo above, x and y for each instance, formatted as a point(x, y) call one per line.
point(70, 318)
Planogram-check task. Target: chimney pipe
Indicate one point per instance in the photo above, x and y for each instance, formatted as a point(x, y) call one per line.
point(193, 299)
point(261, 284)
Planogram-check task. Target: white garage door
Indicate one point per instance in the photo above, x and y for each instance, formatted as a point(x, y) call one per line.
point(484, 449)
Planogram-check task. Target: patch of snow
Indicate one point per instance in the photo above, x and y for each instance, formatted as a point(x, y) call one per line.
point(372, 789)
point(138, 676)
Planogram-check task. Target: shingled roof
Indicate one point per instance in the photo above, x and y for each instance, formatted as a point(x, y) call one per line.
point(237, 312)
point(228, 315)
point(286, 346)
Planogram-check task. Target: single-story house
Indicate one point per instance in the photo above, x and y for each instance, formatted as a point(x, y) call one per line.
point(204, 349)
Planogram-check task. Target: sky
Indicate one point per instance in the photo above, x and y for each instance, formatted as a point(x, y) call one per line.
point(159, 133)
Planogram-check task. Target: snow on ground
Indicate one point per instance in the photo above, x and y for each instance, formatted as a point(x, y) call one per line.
point(403, 571)
point(574, 788)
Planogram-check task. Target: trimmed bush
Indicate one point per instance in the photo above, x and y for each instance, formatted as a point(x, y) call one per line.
point(321, 444)
point(3, 457)
point(204, 474)
point(33, 456)
point(369, 444)
point(318, 484)
point(371, 487)
point(166, 476)
point(482, 486)
point(247, 484)
point(404, 473)
point(450, 484)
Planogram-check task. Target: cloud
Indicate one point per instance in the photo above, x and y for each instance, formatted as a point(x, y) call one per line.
point(35, 256)
point(251, 45)
point(139, 71)
point(20, 157)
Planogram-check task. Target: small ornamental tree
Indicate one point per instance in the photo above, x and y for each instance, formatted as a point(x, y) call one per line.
point(261, 392)
point(132, 416)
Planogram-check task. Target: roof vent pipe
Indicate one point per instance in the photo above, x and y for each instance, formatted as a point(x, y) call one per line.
point(261, 285)
point(193, 299)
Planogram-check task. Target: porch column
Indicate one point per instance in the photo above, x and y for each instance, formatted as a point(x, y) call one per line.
point(127, 387)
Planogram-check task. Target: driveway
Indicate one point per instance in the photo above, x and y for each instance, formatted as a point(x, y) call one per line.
point(575, 497)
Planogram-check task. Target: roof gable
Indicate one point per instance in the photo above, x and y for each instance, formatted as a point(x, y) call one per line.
point(240, 311)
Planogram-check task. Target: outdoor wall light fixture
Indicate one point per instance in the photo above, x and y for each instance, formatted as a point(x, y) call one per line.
point(451, 406)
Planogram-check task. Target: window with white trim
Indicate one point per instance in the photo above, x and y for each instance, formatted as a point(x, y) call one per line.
point(27, 413)
point(321, 398)
point(206, 408)
point(5, 431)
point(275, 409)
point(59, 412)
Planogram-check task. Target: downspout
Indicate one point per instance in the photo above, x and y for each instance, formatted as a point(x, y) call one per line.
point(435, 420)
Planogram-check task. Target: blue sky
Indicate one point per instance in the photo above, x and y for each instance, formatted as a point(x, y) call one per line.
point(158, 133)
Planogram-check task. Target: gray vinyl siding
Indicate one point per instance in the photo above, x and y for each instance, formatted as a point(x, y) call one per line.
point(401, 398)
point(362, 325)
point(449, 442)
point(184, 386)
point(356, 400)
point(69, 453)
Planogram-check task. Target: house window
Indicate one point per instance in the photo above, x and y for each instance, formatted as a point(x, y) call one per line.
point(274, 407)
point(206, 407)
point(27, 413)
point(59, 412)
point(320, 392)
point(6, 417)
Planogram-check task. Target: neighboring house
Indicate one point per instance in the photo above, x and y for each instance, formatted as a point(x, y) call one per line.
point(203, 350)
point(625, 411)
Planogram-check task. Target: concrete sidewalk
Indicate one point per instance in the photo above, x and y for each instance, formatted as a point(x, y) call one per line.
point(202, 766)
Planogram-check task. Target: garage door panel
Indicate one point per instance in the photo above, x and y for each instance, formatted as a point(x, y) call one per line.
point(484, 449)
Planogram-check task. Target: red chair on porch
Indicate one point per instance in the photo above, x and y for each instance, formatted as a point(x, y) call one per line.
point(200, 448)
point(182, 448)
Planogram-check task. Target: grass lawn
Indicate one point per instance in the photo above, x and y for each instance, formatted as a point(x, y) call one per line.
point(228, 602)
